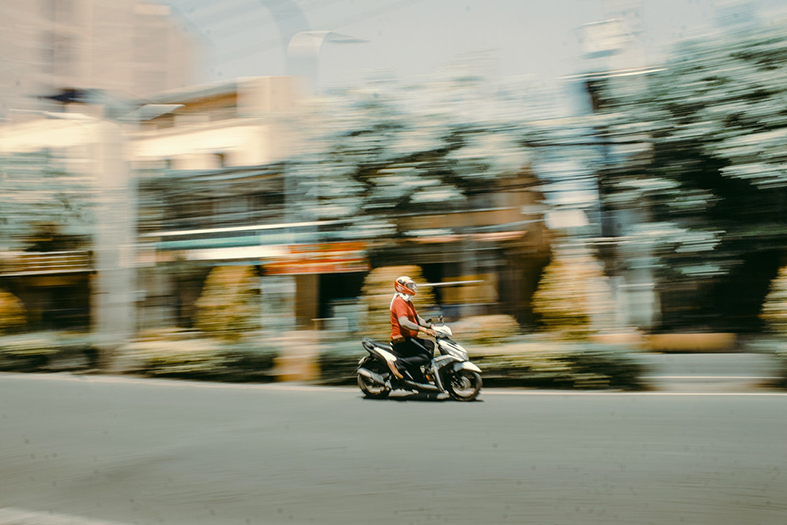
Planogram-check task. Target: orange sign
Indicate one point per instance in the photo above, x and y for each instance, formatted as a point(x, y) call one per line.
point(334, 257)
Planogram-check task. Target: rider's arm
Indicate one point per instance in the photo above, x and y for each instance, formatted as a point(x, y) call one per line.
point(405, 322)
point(422, 322)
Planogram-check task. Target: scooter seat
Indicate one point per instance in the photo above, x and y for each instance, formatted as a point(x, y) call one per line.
point(368, 342)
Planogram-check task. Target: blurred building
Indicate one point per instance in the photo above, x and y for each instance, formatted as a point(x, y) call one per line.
point(129, 47)
point(196, 179)
point(67, 246)
point(214, 191)
point(484, 256)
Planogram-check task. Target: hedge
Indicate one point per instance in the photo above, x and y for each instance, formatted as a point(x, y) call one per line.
point(338, 361)
point(546, 364)
point(47, 352)
point(534, 365)
point(563, 365)
point(200, 358)
point(775, 347)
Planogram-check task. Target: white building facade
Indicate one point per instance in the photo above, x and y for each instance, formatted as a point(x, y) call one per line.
point(129, 47)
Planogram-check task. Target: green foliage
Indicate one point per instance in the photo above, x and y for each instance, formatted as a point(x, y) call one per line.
point(713, 125)
point(175, 358)
point(198, 358)
point(774, 310)
point(50, 237)
point(780, 371)
point(27, 352)
point(382, 149)
point(567, 365)
point(573, 298)
point(230, 303)
point(40, 187)
point(774, 348)
point(543, 364)
point(12, 313)
point(47, 352)
point(706, 166)
point(486, 330)
point(338, 362)
point(377, 292)
point(24, 345)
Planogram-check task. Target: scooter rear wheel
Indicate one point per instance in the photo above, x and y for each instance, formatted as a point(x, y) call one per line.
point(371, 389)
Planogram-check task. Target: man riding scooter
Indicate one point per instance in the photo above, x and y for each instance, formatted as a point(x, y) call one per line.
point(405, 326)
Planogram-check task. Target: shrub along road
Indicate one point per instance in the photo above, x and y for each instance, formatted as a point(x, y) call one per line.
point(158, 451)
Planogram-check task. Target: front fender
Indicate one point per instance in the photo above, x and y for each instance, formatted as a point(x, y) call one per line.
point(466, 365)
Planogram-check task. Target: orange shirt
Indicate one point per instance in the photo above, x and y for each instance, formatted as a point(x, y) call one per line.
point(399, 308)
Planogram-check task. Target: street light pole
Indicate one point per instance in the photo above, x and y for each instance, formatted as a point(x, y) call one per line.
point(113, 297)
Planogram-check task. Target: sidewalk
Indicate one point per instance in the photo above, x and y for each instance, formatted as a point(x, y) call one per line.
point(710, 372)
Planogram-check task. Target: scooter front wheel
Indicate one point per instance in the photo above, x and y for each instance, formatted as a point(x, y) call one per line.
point(464, 385)
point(372, 389)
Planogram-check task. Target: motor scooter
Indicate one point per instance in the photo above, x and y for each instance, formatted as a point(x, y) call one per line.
point(449, 371)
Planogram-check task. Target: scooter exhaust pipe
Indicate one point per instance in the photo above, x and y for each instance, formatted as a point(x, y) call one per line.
point(368, 374)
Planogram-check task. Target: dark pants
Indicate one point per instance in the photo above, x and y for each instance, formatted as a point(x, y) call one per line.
point(413, 353)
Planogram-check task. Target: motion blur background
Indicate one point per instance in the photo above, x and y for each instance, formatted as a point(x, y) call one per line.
point(248, 169)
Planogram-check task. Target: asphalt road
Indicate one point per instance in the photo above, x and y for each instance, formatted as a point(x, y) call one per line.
point(143, 451)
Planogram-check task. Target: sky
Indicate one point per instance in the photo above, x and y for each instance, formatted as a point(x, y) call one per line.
point(537, 39)
point(411, 37)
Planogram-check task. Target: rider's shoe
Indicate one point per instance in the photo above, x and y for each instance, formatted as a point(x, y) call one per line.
point(392, 364)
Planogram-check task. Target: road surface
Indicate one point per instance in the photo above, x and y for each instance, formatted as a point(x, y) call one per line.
point(149, 451)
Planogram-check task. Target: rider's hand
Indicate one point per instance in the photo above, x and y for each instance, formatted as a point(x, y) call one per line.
point(430, 332)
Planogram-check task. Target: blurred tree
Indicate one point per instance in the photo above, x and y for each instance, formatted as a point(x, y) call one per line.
point(382, 150)
point(12, 313)
point(700, 146)
point(774, 310)
point(41, 201)
point(375, 155)
point(229, 306)
point(49, 237)
point(378, 291)
point(573, 299)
